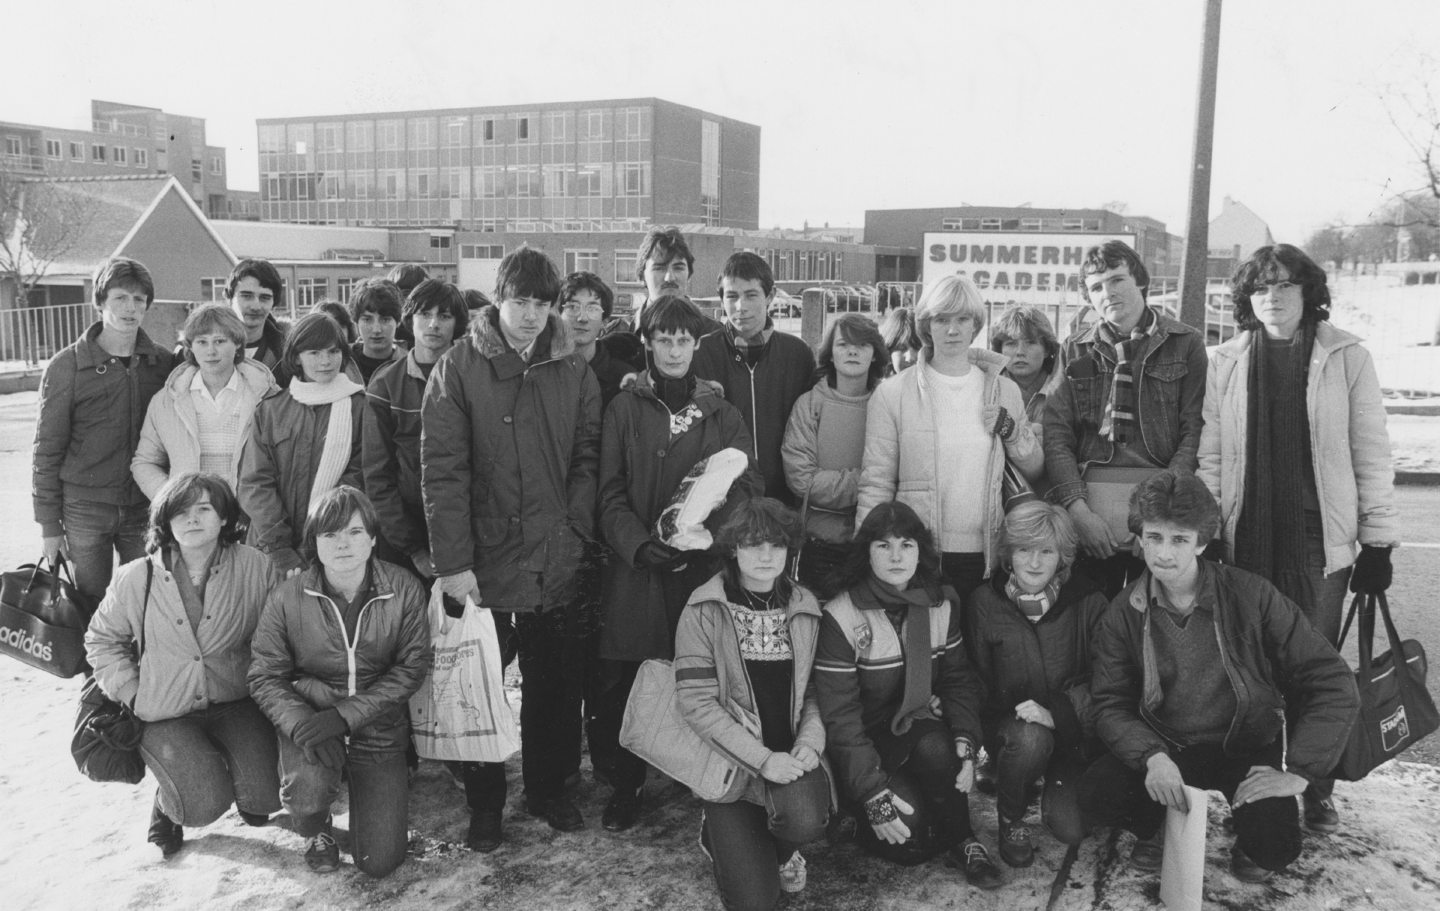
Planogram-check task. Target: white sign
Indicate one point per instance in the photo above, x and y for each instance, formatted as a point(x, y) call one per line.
point(1021, 268)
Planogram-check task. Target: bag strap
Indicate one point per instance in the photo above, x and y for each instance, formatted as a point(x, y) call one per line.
point(144, 605)
point(1397, 648)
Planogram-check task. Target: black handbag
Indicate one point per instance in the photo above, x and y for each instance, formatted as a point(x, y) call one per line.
point(43, 618)
point(106, 740)
point(1396, 710)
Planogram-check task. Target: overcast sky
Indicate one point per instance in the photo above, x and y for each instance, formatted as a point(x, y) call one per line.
point(861, 104)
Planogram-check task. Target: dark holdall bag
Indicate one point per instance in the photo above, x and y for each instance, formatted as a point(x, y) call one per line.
point(43, 618)
point(1396, 710)
point(106, 741)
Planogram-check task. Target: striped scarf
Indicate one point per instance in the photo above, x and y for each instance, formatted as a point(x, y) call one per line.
point(1033, 606)
point(1120, 407)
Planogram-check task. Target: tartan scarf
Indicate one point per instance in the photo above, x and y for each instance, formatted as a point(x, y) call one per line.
point(1033, 606)
point(1120, 406)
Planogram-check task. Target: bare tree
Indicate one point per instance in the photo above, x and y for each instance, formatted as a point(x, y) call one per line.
point(1413, 106)
point(40, 222)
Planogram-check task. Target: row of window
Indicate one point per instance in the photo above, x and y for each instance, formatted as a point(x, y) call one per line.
point(548, 181)
point(456, 131)
point(575, 260)
point(120, 129)
point(1020, 224)
point(308, 291)
point(804, 265)
point(100, 153)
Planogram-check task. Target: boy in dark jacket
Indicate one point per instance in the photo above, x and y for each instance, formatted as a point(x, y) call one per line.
point(508, 465)
point(761, 370)
point(376, 305)
point(93, 398)
point(655, 432)
point(254, 291)
point(1199, 669)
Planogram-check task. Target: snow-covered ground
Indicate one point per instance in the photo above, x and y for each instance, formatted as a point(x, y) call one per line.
point(68, 843)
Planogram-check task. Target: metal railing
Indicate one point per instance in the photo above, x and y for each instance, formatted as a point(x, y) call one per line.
point(32, 335)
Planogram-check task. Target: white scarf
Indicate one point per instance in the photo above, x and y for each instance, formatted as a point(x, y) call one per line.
point(336, 454)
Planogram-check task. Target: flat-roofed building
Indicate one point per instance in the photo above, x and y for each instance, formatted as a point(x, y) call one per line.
point(616, 165)
point(123, 139)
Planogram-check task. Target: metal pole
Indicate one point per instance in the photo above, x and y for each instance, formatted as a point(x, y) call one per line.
point(1197, 234)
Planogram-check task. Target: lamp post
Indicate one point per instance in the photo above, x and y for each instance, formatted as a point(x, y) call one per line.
point(1197, 234)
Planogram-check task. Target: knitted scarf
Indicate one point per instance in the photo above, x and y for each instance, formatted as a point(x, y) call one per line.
point(1119, 418)
point(338, 433)
point(1033, 606)
point(874, 594)
point(1270, 533)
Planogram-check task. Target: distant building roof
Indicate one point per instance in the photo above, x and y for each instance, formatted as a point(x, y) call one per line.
point(302, 243)
point(118, 207)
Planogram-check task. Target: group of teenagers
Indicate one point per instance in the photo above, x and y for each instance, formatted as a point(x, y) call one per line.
point(875, 614)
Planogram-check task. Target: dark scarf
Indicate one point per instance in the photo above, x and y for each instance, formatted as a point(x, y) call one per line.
point(1270, 534)
point(873, 594)
point(1120, 408)
point(674, 393)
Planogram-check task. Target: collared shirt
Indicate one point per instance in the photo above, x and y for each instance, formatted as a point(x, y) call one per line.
point(218, 403)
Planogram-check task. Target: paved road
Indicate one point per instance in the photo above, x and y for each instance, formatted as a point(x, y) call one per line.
point(1415, 597)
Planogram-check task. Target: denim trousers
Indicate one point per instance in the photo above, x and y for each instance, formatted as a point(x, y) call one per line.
point(1023, 752)
point(1268, 831)
point(211, 758)
point(748, 842)
point(95, 533)
point(379, 800)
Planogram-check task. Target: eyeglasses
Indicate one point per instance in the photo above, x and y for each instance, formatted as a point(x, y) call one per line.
point(587, 309)
point(1276, 288)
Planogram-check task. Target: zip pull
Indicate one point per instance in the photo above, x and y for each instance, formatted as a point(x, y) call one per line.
point(1284, 742)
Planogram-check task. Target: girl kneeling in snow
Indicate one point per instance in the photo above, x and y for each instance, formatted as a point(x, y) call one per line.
point(743, 654)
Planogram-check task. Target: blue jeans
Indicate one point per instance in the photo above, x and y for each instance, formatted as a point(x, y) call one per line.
point(94, 533)
point(379, 801)
point(1023, 752)
point(748, 842)
point(211, 758)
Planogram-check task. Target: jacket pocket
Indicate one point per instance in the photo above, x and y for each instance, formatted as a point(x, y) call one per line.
point(491, 532)
point(1160, 406)
point(1088, 395)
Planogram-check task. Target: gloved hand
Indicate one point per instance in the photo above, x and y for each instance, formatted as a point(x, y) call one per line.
point(999, 422)
point(321, 726)
point(460, 586)
point(329, 753)
point(654, 555)
point(1373, 573)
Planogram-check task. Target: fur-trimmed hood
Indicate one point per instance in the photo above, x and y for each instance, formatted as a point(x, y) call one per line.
point(554, 341)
